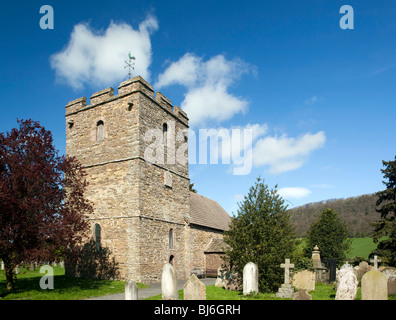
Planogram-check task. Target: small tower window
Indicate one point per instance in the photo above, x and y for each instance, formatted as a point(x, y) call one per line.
point(171, 239)
point(100, 131)
point(165, 133)
point(98, 237)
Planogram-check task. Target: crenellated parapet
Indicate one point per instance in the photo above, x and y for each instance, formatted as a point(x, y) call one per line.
point(126, 88)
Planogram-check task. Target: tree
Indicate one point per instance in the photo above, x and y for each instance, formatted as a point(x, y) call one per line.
point(261, 233)
point(386, 207)
point(42, 204)
point(330, 233)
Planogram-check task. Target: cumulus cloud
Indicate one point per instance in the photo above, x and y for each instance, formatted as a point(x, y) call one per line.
point(97, 58)
point(283, 153)
point(294, 192)
point(208, 84)
point(244, 147)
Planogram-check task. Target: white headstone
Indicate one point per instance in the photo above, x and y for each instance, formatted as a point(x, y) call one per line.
point(169, 283)
point(250, 278)
point(376, 260)
point(131, 290)
point(347, 284)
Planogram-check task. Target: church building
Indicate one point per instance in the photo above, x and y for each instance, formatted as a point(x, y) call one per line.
point(133, 147)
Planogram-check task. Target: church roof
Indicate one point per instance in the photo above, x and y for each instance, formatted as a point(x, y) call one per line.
point(208, 213)
point(216, 246)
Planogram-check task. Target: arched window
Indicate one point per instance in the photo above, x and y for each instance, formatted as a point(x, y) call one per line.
point(171, 239)
point(98, 236)
point(165, 133)
point(100, 131)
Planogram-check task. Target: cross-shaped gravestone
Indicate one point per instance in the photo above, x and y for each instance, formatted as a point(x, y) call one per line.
point(376, 260)
point(287, 265)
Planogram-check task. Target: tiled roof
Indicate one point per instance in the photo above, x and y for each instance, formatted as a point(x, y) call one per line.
point(208, 213)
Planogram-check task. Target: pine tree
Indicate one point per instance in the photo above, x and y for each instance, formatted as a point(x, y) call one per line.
point(386, 206)
point(261, 233)
point(330, 233)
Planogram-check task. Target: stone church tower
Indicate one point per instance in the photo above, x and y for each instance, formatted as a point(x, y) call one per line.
point(142, 203)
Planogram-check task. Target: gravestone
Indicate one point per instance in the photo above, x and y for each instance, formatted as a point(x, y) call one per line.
point(362, 269)
point(374, 286)
point(320, 269)
point(131, 290)
point(194, 289)
point(390, 274)
point(221, 274)
point(316, 258)
point(286, 290)
point(376, 260)
point(332, 270)
point(301, 295)
point(250, 278)
point(169, 283)
point(304, 280)
point(347, 284)
point(233, 281)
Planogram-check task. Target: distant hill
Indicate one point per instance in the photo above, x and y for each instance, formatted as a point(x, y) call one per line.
point(357, 212)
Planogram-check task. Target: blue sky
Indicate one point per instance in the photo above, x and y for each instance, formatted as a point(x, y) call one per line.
point(321, 99)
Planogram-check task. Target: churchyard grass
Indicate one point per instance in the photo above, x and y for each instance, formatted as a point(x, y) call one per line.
point(322, 292)
point(65, 288)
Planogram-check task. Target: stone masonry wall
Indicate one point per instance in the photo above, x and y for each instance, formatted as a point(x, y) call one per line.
point(136, 203)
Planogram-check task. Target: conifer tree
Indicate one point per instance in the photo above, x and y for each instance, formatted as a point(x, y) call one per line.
point(261, 233)
point(386, 206)
point(330, 233)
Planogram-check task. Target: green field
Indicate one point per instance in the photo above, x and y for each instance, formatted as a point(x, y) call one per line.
point(362, 247)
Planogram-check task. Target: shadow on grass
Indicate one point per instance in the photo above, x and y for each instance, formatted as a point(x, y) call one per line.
point(64, 287)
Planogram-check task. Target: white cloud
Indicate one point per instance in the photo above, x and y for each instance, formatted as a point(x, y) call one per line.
point(283, 154)
point(97, 57)
point(294, 192)
point(250, 145)
point(207, 82)
point(311, 100)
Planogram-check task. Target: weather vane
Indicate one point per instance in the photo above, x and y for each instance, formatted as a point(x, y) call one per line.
point(130, 64)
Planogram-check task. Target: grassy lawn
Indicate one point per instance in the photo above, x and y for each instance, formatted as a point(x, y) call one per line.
point(322, 292)
point(27, 287)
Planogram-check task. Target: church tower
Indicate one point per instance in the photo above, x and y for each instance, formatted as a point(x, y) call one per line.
point(133, 147)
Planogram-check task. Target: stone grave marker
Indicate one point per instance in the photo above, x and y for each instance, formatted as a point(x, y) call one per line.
point(194, 289)
point(131, 290)
point(347, 284)
point(375, 260)
point(301, 295)
point(390, 274)
point(332, 270)
point(304, 280)
point(374, 286)
point(220, 280)
point(250, 278)
point(286, 290)
point(169, 283)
